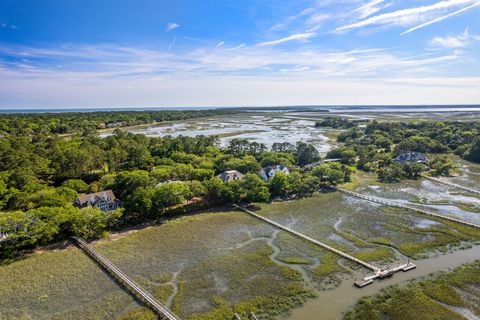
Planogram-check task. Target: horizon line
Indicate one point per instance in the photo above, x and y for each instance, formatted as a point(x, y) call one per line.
point(468, 105)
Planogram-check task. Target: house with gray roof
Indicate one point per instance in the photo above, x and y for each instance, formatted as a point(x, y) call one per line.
point(230, 175)
point(411, 157)
point(103, 200)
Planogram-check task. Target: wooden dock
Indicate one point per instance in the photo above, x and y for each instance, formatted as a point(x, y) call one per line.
point(309, 239)
point(403, 206)
point(453, 185)
point(385, 273)
point(379, 273)
point(128, 283)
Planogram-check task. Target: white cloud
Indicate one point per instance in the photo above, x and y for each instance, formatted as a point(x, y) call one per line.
point(241, 91)
point(172, 44)
point(288, 20)
point(318, 18)
point(293, 37)
point(116, 61)
point(370, 8)
point(246, 75)
point(219, 44)
point(412, 16)
point(171, 25)
point(439, 19)
point(240, 46)
point(462, 40)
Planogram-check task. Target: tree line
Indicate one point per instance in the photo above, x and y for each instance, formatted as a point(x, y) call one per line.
point(372, 147)
point(41, 174)
point(89, 122)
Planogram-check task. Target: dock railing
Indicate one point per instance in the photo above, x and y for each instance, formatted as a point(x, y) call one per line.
point(403, 206)
point(128, 283)
point(309, 239)
point(453, 185)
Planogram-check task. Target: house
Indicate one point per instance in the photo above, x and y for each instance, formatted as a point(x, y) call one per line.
point(269, 172)
point(409, 157)
point(230, 175)
point(104, 200)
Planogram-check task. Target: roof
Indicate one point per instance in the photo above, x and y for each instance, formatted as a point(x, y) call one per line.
point(411, 157)
point(276, 167)
point(230, 173)
point(93, 198)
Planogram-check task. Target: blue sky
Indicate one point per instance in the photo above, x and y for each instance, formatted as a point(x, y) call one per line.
point(139, 53)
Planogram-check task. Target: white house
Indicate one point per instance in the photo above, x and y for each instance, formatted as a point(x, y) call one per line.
point(230, 175)
point(269, 172)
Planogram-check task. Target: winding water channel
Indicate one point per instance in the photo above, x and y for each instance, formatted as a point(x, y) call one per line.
point(331, 304)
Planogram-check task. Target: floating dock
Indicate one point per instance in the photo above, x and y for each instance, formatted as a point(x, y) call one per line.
point(384, 273)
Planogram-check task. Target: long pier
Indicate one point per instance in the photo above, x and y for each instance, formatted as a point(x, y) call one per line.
point(128, 283)
point(403, 206)
point(453, 185)
point(309, 239)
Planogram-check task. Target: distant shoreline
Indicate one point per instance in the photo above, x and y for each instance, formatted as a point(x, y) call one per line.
point(312, 108)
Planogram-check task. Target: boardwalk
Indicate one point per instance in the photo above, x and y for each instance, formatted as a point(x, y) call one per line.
point(128, 283)
point(454, 185)
point(403, 206)
point(316, 242)
point(251, 316)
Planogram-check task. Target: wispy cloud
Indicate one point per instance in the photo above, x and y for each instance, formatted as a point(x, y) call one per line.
point(290, 19)
point(171, 25)
point(172, 44)
point(439, 19)
point(459, 41)
point(11, 26)
point(293, 37)
point(370, 8)
point(236, 75)
point(240, 46)
point(119, 62)
point(317, 19)
point(219, 44)
point(422, 16)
